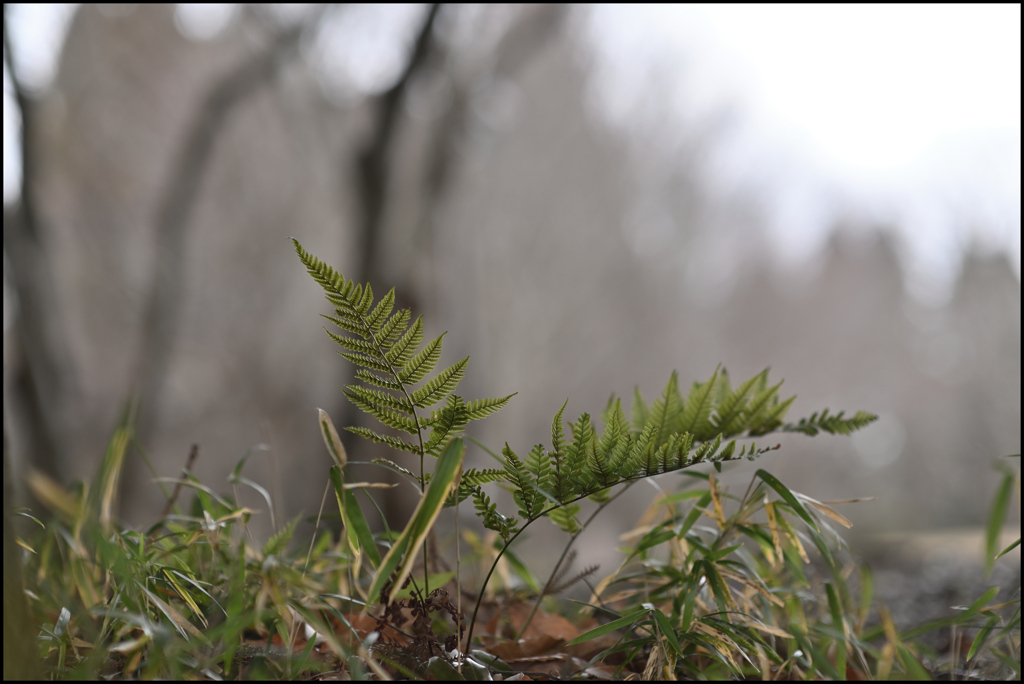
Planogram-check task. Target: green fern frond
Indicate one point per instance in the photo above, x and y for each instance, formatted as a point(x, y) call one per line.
point(683, 450)
point(565, 518)
point(385, 415)
point(523, 492)
point(616, 428)
point(481, 408)
point(722, 386)
point(350, 324)
point(374, 379)
point(388, 463)
point(639, 412)
point(276, 545)
point(448, 421)
point(614, 442)
point(332, 281)
point(666, 413)
point(666, 453)
point(393, 442)
point(380, 312)
point(729, 412)
point(476, 477)
point(491, 518)
point(387, 353)
point(832, 424)
point(366, 361)
point(600, 466)
point(576, 451)
point(585, 480)
point(406, 345)
point(557, 431)
point(613, 411)
point(538, 463)
point(354, 344)
point(365, 302)
point(752, 451)
point(469, 481)
point(441, 385)
point(638, 456)
point(727, 452)
point(571, 474)
point(392, 331)
point(706, 451)
point(380, 399)
point(697, 409)
point(649, 459)
point(620, 444)
point(762, 402)
point(419, 366)
point(772, 419)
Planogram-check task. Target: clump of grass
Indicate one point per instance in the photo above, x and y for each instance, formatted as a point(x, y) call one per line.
point(715, 585)
point(762, 586)
point(193, 596)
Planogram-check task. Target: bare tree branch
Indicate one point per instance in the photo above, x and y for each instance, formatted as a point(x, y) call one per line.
point(535, 27)
point(372, 163)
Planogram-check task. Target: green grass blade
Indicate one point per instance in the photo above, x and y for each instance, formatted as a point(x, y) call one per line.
point(1000, 505)
point(400, 558)
point(666, 628)
point(836, 611)
point(331, 439)
point(625, 621)
point(1008, 549)
point(695, 513)
point(784, 492)
point(720, 590)
point(914, 669)
point(817, 659)
point(982, 638)
point(359, 536)
point(980, 604)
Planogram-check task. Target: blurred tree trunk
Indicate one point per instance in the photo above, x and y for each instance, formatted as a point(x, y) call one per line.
point(44, 384)
point(163, 308)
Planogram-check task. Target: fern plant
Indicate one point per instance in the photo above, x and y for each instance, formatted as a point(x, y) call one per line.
point(671, 433)
point(391, 361)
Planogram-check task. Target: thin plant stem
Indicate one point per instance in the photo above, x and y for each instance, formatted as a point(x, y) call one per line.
point(480, 596)
point(494, 565)
point(192, 454)
point(458, 576)
point(561, 559)
point(316, 528)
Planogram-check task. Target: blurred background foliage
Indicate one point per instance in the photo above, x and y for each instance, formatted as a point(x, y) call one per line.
point(462, 154)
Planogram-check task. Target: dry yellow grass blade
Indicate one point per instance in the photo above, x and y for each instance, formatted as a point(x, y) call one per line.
point(827, 510)
point(716, 501)
point(773, 526)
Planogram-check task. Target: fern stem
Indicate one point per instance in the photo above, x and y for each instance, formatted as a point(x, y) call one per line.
point(487, 579)
point(561, 559)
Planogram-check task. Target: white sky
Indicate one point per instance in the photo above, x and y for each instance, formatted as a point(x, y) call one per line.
point(906, 114)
